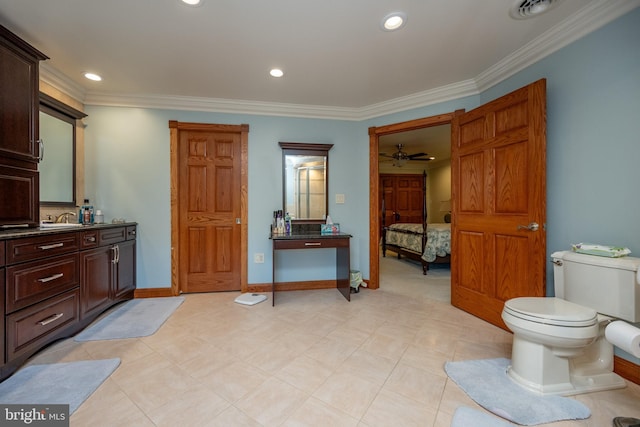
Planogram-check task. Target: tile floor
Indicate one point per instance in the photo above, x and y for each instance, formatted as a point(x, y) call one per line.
point(312, 360)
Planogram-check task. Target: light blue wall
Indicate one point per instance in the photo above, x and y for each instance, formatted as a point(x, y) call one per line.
point(593, 149)
point(593, 139)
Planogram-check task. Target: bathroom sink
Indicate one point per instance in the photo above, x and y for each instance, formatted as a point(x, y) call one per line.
point(59, 225)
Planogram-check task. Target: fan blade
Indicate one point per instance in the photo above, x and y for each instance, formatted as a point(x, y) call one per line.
point(411, 156)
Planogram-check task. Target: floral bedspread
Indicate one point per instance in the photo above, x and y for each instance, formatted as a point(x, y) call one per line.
point(409, 236)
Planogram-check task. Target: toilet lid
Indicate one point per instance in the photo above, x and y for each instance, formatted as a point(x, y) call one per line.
point(551, 311)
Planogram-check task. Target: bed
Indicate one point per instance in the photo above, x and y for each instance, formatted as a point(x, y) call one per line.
point(409, 240)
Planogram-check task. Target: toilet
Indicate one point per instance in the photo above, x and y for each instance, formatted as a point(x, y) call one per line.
point(559, 347)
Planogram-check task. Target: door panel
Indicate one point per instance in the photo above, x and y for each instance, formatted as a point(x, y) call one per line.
point(210, 190)
point(498, 183)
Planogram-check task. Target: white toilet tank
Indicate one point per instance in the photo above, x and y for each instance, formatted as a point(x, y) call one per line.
point(610, 286)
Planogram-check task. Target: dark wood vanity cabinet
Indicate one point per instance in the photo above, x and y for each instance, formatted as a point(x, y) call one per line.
point(2, 287)
point(19, 146)
point(108, 270)
point(41, 291)
point(55, 283)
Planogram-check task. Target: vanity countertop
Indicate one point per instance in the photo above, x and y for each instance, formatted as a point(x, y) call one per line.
point(309, 236)
point(18, 232)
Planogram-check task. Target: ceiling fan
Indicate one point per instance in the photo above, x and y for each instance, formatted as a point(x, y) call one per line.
point(399, 158)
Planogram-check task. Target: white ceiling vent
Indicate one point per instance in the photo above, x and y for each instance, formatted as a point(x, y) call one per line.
point(524, 9)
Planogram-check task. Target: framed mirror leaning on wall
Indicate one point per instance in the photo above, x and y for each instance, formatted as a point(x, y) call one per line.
point(57, 166)
point(305, 184)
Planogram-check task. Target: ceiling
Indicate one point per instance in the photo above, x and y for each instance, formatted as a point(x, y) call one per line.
point(434, 141)
point(335, 56)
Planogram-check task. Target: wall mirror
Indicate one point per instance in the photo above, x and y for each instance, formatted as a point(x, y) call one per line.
point(57, 167)
point(305, 181)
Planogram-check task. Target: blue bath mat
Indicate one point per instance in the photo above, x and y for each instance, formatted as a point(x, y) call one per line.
point(467, 417)
point(69, 383)
point(133, 319)
point(486, 382)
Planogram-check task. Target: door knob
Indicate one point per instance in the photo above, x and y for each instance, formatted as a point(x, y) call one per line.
point(533, 226)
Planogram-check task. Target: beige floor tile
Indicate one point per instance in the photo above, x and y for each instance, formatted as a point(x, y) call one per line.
point(386, 346)
point(314, 413)
point(305, 373)
point(392, 409)
point(331, 351)
point(367, 366)
point(312, 360)
point(272, 402)
point(417, 384)
point(232, 417)
point(347, 393)
point(109, 406)
point(194, 407)
point(235, 381)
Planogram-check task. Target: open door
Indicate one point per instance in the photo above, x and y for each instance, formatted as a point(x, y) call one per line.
point(498, 166)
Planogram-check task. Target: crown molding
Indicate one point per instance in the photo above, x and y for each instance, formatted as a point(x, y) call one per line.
point(421, 99)
point(588, 19)
point(593, 16)
point(53, 77)
point(218, 105)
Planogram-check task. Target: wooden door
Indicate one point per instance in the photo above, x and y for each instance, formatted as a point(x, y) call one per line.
point(498, 184)
point(210, 194)
point(403, 196)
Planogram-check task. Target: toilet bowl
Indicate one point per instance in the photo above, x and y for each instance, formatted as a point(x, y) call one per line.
point(548, 332)
point(559, 345)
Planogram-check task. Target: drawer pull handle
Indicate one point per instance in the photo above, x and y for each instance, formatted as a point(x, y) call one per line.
point(50, 319)
point(52, 246)
point(313, 244)
point(90, 239)
point(50, 278)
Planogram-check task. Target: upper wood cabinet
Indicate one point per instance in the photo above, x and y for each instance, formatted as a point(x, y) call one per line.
point(19, 146)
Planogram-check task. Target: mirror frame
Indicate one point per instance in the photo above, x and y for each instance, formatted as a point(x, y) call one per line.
point(62, 111)
point(306, 149)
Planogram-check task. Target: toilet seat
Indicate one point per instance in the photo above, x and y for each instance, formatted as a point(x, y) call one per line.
point(551, 311)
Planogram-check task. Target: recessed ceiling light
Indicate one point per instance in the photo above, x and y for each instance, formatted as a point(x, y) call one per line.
point(191, 2)
point(276, 72)
point(394, 21)
point(93, 76)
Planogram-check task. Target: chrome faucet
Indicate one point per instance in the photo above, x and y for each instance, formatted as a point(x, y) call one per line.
point(64, 218)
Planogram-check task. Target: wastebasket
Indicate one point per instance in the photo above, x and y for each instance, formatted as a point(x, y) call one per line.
point(355, 280)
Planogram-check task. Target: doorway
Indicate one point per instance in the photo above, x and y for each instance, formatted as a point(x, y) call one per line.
point(209, 184)
point(375, 135)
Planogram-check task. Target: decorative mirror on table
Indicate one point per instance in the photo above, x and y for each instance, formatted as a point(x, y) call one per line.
point(57, 166)
point(305, 181)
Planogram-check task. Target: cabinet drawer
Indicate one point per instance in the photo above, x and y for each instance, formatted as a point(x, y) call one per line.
point(89, 239)
point(31, 248)
point(131, 232)
point(112, 235)
point(311, 243)
point(33, 327)
point(1, 253)
point(35, 281)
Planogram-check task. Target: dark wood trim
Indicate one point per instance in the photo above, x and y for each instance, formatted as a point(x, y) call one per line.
point(626, 369)
point(243, 130)
point(153, 293)
point(374, 185)
point(294, 286)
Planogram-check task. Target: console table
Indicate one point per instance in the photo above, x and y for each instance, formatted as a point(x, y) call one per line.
point(339, 241)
